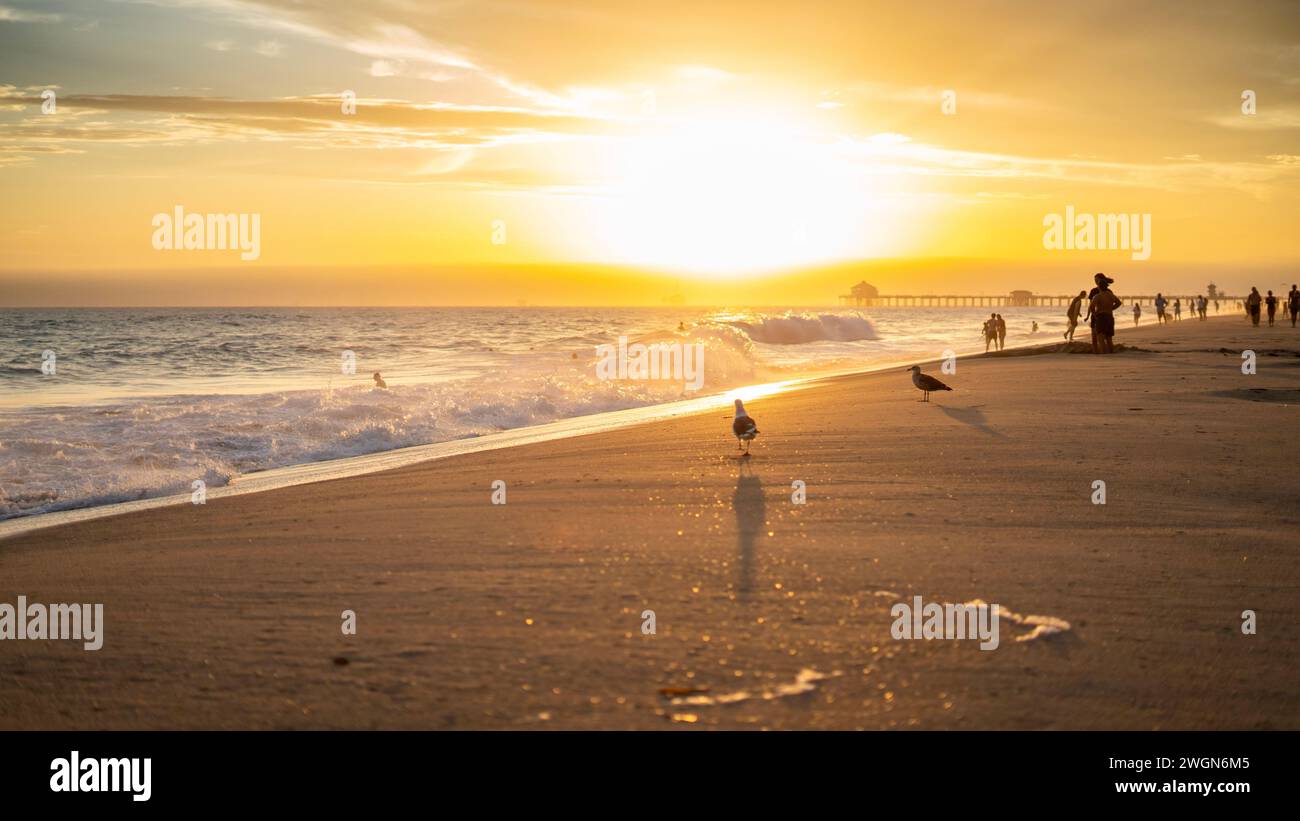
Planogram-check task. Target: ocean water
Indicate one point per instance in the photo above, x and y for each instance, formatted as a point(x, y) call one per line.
point(143, 401)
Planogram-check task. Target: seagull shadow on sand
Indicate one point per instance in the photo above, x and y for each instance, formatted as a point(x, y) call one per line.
point(751, 518)
point(970, 415)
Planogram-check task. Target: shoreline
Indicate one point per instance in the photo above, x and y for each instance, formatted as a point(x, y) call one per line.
point(368, 463)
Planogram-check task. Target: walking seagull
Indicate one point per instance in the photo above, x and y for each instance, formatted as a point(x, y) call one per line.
point(743, 427)
point(925, 383)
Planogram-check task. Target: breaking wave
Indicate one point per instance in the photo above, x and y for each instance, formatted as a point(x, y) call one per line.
point(799, 329)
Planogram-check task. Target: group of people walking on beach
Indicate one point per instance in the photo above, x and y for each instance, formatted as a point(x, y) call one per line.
point(1199, 306)
point(1290, 306)
point(995, 332)
point(1101, 303)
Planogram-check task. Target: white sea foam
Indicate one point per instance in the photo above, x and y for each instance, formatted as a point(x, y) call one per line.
point(805, 681)
point(53, 459)
point(1041, 626)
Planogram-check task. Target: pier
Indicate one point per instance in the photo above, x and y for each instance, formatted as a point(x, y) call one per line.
point(863, 295)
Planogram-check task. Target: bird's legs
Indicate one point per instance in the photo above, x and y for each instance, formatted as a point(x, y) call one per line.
point(926, 397)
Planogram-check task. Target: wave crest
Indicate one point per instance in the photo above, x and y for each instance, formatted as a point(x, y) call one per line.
point(800, 329)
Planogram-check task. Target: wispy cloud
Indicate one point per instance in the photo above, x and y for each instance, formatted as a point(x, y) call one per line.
point(351, 29)
point(1265, 119)
point(312, 122)
point(9, 14)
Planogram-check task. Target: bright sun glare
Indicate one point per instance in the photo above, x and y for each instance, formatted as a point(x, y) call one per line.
point(727, 196)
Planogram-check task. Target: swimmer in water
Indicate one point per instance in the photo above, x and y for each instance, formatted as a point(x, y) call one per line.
point(379, 381)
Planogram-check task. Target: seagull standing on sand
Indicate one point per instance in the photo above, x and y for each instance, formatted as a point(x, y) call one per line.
point(925, 383)
point(743, 427)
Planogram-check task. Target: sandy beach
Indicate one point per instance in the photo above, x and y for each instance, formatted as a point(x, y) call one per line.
point(768, 614)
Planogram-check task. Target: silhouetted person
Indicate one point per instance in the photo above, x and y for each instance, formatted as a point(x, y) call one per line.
point(1002, 332)
point(1102, 309)
point(1252, 306)
point(990, 331)
point(1178, 309)
point(1271, 303)
point(1076, 305)
point(1101, 281)
point(1137, 313)
point(1293, 299)
point(1161, 302)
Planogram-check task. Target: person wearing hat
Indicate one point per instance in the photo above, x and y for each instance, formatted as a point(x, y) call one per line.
point(1102, 281)
point(1101, 310)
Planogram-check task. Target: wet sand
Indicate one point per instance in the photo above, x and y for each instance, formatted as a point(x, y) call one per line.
point(776, 615)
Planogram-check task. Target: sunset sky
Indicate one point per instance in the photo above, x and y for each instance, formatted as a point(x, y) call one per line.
point(714, 142)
